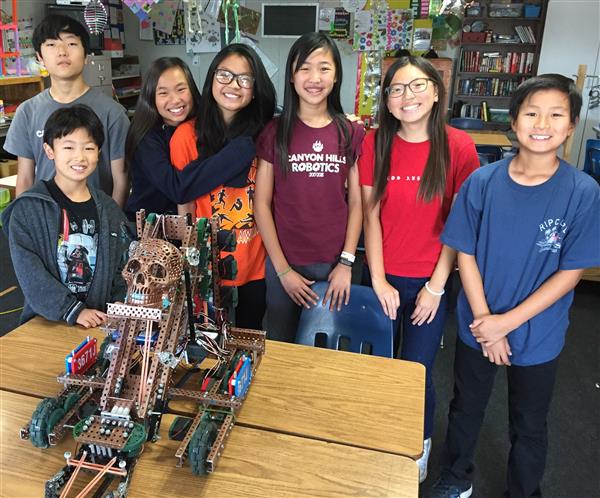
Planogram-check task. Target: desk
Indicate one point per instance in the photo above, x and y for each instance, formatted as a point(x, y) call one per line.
point(361, 401)
point(9, 182)
point(255, 464)
point(489, 137)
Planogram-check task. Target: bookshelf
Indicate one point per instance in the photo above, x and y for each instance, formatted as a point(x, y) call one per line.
point(500, 48)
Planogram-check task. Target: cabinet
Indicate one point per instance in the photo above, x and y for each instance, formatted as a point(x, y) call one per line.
point(97, 73)
point(16, 89)
point(500, 48)
point(127, 80)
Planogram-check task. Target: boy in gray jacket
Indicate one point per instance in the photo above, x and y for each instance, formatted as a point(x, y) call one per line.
point(67, 239)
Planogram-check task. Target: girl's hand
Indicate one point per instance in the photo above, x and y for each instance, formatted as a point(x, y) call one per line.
point(388, 296)
point(298, 288)
point(339, 287)
point(89, 318)
point(498, 353)
point(426, 307)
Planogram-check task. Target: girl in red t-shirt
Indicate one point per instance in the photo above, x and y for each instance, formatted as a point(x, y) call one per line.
point(306, 159)
point(411, 169)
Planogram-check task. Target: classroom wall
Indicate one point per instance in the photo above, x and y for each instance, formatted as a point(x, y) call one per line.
point(28, 8)
point(571, 38)
point(275, 48)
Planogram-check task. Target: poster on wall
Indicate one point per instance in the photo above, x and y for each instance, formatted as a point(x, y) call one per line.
point(369, 31)
point(399, 29)
point(163, 15)
point(422, 35)
point(177, 35)
point(141, 8)
point(248, 19)
point(205, 39)
point(335, 22)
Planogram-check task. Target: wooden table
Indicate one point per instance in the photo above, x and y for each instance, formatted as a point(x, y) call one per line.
point(315, 423)
point(363, 401)
point(255, 464)
point(489, 137)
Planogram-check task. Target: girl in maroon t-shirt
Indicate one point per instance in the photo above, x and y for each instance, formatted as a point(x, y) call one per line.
point(306, 159)
point(410, 169)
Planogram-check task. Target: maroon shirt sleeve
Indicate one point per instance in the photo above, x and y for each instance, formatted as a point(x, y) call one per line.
point(265, 144)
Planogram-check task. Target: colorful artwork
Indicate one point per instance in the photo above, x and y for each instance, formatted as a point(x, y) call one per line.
point(141, 8)
point(399, 29)
point(177, 35)
point(369, 30)
point(163, 15)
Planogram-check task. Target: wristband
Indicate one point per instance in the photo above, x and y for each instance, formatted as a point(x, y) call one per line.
point(284, 272)
point(345, 262)
point(349, 256)
point(431, 291)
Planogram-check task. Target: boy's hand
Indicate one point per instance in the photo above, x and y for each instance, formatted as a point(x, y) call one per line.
point(498, 353)
point(89, 318)
point(298, 288)
point(388, 296)
point(338, 290)
point(489, 329)
point(426, 307)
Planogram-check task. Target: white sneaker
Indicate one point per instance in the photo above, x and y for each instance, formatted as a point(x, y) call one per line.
point(422, 462)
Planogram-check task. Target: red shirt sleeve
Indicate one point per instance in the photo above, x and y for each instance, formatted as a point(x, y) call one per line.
point(366, 161)
point(464, 158)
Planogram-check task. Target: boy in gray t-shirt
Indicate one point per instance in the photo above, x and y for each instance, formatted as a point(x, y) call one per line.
point(62, 45)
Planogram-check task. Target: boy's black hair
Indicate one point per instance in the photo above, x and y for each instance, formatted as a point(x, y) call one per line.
point(53, 25)
point(547, 82)
point(66, 120)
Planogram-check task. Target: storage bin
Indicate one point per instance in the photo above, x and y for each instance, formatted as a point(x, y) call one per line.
point(506, 10)
point(471, 37)
point(4, 200)
point(532, 10)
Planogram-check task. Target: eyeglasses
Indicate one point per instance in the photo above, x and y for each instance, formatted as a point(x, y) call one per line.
point(225, 77)
point(418, 85)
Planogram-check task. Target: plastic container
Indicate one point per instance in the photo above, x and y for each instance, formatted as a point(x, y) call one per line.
point(506, 10)
point(471, 37)
point(4, 200)
point(532, 10)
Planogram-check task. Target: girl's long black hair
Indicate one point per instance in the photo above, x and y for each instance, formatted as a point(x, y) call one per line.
point(301, 49)
point(433, 181)
point(146, 115)
point(211, 130)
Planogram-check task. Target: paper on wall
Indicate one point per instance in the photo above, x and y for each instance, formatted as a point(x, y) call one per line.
point(163, 15)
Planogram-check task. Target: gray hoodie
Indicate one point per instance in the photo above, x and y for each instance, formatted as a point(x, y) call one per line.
point(31, 223)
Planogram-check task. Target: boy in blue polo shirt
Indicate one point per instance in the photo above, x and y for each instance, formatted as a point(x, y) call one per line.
point(524, 228)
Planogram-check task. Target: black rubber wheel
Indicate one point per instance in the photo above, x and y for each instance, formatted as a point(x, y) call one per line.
point(39, 428)
point(199, 446)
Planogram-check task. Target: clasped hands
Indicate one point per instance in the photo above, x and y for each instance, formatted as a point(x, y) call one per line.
point(490, 332)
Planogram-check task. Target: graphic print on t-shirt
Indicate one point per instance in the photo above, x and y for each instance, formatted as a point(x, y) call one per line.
point(77, 250)
point(316, 163)
point(234, 207)
point(553, 231)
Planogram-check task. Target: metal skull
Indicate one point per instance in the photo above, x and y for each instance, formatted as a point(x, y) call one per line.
point(152, 272)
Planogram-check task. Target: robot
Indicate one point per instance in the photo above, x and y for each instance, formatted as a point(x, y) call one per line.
point(170, 340)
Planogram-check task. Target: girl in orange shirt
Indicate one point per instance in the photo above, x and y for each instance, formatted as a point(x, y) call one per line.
point(238, 99)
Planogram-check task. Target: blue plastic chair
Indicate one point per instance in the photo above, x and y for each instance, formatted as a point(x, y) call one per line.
point(467, 123)
point(357, 326)
point(489, 153)
point(591, 166)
